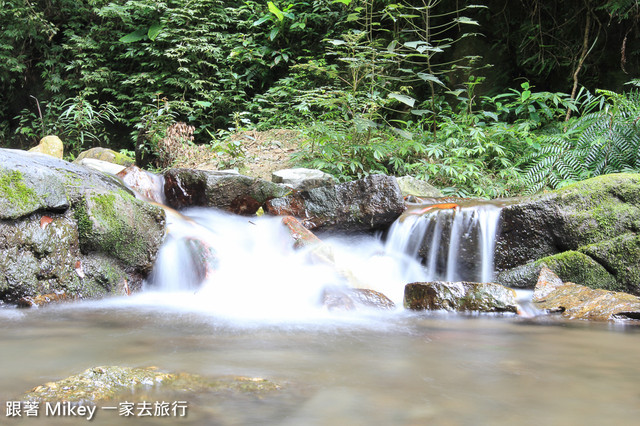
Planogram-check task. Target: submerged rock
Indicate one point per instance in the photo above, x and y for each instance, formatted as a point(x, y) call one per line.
point(227, 191)
point(460, 296)
point(113, 383)
point(68, 229)
point(367, 204)
point(585, 232)
point(575, 301)
point(302, 179)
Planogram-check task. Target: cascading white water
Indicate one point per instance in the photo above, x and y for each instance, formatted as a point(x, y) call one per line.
point(248, 268)
point(457, 243)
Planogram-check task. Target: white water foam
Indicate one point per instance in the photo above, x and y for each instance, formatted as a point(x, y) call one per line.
point(255, 273)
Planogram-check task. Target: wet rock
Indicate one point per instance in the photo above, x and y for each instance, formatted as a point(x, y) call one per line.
point(575, 301)
point(596, 219)
point(410, 185)
point(227, 191)
point(460, 296)
point(44, 299)
point(66, 228)
point(302, 179)
point(113, 383)
point(370, 203)
point(302, 237)
point(347, 299)
point(49, 145)
point(147, 186)
point(105, 154)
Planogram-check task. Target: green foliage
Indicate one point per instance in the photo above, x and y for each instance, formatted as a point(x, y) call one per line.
point(605, 139)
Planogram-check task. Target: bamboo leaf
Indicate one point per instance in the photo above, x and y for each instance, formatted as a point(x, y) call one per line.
point(407, 100)
point(277, 12)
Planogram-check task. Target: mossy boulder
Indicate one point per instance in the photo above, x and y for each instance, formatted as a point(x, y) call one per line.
point(65, 229)
point(105, 154)
point(585, 232)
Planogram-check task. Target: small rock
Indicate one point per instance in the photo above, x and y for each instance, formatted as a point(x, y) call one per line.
point(347, 299)
point(303, 179)
point(50, 145)
point(105, 154)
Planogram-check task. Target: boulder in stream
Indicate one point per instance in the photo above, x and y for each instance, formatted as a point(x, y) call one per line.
point(68, 229)
point(227, 191)
point(362, 205)
point(576, 301)
point(586, 232)
point(460, 296)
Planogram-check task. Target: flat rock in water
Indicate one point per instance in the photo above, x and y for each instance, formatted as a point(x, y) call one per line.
point(113, 383)
point(363, 205)
point(302, 179)
point(575, 301)
point(460, 296)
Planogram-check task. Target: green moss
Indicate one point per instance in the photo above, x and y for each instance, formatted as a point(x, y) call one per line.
point(581, 269)
point(14, 192)
point(621, 257)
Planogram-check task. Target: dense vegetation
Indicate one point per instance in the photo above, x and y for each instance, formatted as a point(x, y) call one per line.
point(486, 98)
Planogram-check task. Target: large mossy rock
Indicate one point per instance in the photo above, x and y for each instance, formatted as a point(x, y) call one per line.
point(586, 232)
point(68, 229)
point(227, 191)
point(363, 205)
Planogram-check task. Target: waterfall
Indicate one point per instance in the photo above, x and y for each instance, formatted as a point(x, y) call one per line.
point(455, 241)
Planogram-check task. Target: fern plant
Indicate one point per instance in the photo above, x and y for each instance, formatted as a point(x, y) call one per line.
point(605, 139)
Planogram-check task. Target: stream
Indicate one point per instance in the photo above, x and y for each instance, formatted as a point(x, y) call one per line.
point(257, 314)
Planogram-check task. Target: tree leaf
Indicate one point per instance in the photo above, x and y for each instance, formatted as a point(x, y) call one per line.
point(407, 100)
point(274, 9)
point(154, 30)
point(265, 18)
point(274, 32)
point(137, 35)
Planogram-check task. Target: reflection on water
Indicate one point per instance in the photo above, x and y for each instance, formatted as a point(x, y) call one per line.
point(379, 369)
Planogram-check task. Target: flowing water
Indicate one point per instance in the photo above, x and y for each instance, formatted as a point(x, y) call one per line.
point(229, 296)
